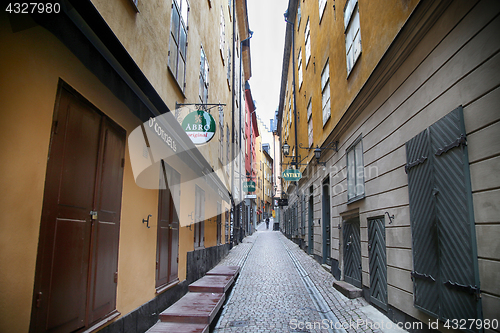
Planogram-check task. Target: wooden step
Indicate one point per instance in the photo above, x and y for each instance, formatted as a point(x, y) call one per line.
point(161, 327)
point(196, 308)
point(212, 284)
point(224, 270)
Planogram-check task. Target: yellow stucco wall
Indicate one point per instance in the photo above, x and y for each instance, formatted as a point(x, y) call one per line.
point(29, 78)
point(380, 21)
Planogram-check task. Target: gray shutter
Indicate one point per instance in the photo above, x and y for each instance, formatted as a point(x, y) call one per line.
point(457, 239)
point(446, 279)
point(423, 224)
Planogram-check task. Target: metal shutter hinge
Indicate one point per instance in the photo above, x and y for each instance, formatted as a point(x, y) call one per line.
point(462, 140)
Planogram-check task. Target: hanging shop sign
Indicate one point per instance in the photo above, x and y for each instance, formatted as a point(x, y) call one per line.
point(249, 186)
point(291, 175)
point(199, 126)
point(282, 202)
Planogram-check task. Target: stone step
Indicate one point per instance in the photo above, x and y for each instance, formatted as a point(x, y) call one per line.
point(161, 327)
point(196, 308)
point(224, 270)
point(212, 284)
point(347, 289)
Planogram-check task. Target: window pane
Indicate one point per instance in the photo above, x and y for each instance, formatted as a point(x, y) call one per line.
point(309, 110)
point(183, 41)
point(181, 74)
point(351, 178)
point(360, 187)
point(322, 5)
point(184, 11)
point(172, 57)
point(174, 26)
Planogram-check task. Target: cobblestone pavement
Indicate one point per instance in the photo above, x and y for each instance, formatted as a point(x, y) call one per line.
point(282, 289)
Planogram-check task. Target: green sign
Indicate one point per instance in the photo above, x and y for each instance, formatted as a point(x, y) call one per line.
point(199, 126)
point(291, 175)
point(249, 186)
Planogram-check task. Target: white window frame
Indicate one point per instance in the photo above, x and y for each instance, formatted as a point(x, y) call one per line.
point(322, 6)
point(325, 92)
point(177, 51)
point(204, 76)
point(307, 34)
point(355, 171)
point(222, 34)
point(299, 67)
point(352, 34)
point(310, 128)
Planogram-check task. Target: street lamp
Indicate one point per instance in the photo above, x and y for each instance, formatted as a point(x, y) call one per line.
point(286, 149)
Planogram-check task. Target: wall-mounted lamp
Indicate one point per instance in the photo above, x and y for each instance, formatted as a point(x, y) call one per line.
point(390, 217)
point(317, 152)
point(286, 149)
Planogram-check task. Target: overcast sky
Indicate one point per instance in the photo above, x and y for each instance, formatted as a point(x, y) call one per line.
point(266, 20)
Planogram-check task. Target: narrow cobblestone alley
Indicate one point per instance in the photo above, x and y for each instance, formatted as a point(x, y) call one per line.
point(282, 289)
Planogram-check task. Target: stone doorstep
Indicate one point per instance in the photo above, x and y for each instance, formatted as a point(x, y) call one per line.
point(347, 289)
point(225, 270)
point(197, 308)
point(212, 284)
point(162, 327)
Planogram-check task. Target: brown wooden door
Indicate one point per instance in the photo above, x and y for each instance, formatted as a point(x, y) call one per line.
point(76, 252)
point(168, 227)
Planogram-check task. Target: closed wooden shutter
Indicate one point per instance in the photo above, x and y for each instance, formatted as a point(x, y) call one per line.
point(446, 279)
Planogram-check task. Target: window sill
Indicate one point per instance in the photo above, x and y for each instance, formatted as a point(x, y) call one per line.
point(357, 198)
point(165, 287)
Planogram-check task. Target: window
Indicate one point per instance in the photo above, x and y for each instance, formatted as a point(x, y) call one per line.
point(228, 151)
point(308, 42)
point(322, 6)
point(355, 172)
point(325, 92)
point(299, 15)
point(221, 137)
point(178, 41)
point(204, 70)
point(299, 67)
point(222, 34)
point(310, 123)
point(229, 67)
point(199, 211)
point(352, 33)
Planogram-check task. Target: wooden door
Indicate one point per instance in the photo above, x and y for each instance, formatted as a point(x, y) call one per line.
point(75, 281)
point(377, 262)
point(352, 252)
point(168, 228)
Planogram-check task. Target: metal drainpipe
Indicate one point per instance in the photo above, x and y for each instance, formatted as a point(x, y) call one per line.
point(235, 211)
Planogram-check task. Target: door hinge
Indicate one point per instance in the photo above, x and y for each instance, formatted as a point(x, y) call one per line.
point(39, 299)
point(177, 259)
point(414, 163)
point(417, 275)
point(462, 140)
point(123, 162)
point(56, 123)
point(116, 277)
point(463, 288)
point(157, 265)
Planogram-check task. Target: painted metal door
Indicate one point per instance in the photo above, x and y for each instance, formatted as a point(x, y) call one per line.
point(446, 279)
point(311, 226)
point(326, 223)
point(77, 263)
point(377, 262)
point(352, 252)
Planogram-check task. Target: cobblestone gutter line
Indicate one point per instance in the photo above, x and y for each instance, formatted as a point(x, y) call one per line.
point(346, 310)
point(323, 308)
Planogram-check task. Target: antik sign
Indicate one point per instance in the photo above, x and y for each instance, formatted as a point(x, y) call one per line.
point(199, 126)
point(291, 175)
